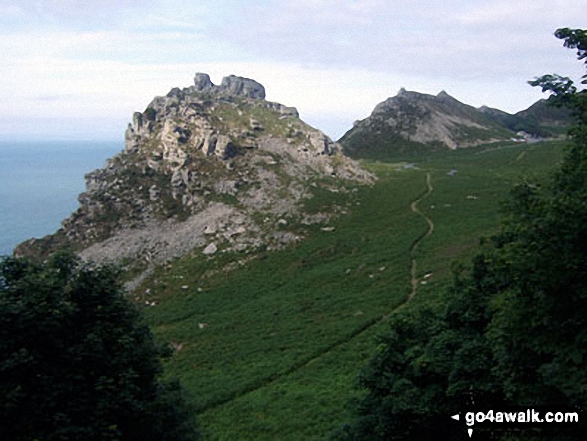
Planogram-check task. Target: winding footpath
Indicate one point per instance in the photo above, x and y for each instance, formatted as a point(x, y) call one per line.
point(345, 339)
point(419, 239)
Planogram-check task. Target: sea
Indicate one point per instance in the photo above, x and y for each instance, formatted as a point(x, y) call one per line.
point(40, 182)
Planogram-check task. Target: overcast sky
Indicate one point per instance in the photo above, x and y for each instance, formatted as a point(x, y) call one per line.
point(78, 69)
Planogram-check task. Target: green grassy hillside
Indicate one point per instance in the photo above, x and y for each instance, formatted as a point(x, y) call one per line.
point(540, 119)
point(269, 344)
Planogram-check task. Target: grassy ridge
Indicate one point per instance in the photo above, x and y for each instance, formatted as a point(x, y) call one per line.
point(286, 333)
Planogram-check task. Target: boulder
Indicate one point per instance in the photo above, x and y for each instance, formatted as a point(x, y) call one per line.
point(210, 249)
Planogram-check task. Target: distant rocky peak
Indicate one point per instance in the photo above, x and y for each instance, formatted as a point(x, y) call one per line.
point(408, 94)
point(231, 85)
point(413, 121)
point(446, 99)
point(442, 96)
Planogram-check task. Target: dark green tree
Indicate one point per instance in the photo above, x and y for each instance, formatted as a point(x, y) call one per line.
point(514, 330)
point(539, 330)
point(77, 362)
point(435, 362)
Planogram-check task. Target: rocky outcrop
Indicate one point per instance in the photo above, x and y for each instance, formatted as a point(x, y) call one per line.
point(412, 121)
point(231, 85)
point(242, 86)
point(205, 169)
point(202, 82)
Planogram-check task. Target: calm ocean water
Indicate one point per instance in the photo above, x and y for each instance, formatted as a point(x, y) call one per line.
point(40, 182)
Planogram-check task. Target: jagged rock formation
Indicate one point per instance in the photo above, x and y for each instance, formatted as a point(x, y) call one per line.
point(231, 85)
point(414, 121)
point(207, 167)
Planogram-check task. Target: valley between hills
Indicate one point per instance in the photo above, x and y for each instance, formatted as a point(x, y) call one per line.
point(271, 349)
point(271, 257)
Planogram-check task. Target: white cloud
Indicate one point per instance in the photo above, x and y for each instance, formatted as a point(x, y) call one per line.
point(453, 38)
point(521, 13)
point(334, 60)
point(11, 11)
point(75, 9)
point(331, 99)
point(498, 12)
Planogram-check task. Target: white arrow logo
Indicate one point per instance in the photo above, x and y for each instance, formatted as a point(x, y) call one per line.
point(457, 417)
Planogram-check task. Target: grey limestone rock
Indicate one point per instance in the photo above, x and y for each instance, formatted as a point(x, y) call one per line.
point(231, 85)
point(209, 143)
point(224, 148)
point(320, 142)
point(202, 82)
point(242, 86)
point(284, 111)
point(131, 141)
point(176, 92)
point(210, 249)
point(290, 112)
point(137, 121)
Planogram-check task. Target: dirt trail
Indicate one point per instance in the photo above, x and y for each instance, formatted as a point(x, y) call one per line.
point(313, 358)
point(415, 209)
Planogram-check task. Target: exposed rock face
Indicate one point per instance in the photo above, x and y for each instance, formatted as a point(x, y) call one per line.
point(202, 165)
point(231, 85)
point(411, 121)
point(202, 82)
point(243, 86)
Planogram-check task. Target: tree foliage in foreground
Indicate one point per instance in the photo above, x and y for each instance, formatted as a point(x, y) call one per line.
point(77, 362)
point(514, 330)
